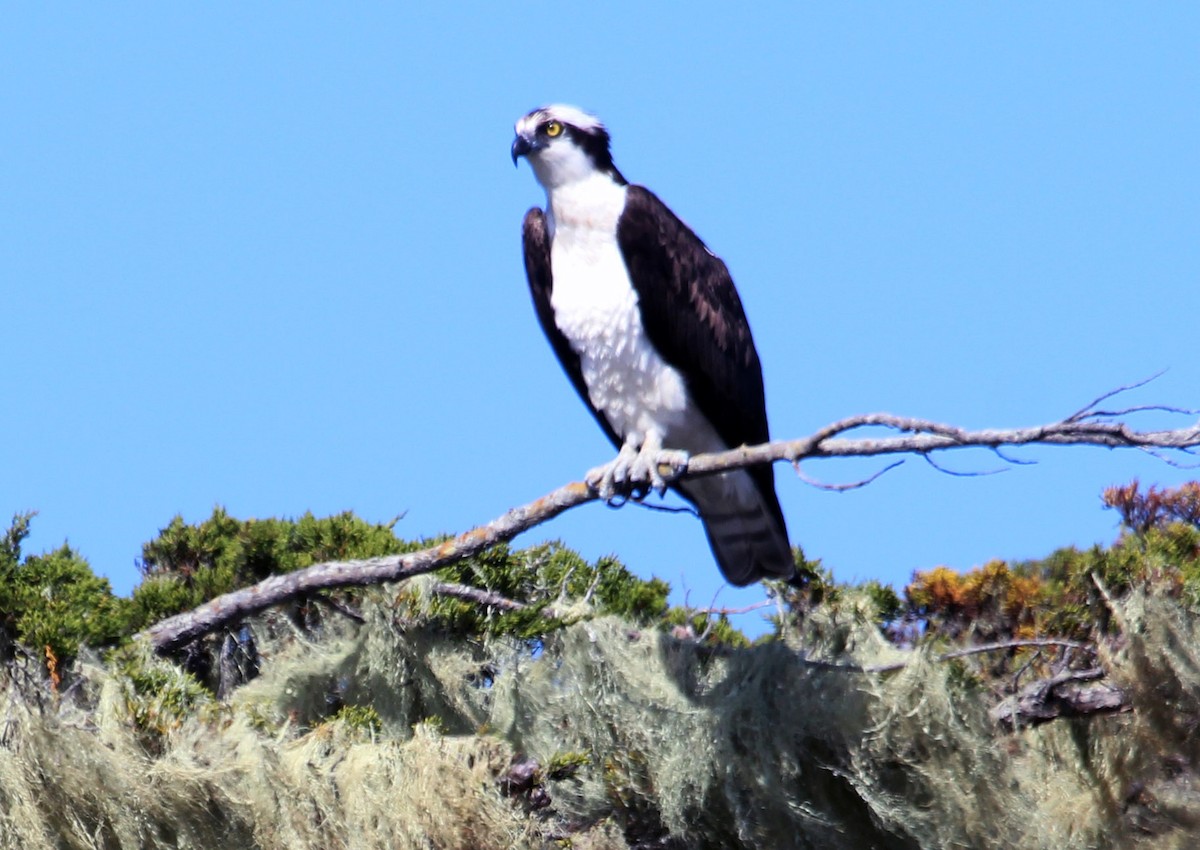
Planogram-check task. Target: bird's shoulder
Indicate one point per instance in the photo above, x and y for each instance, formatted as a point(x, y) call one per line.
point(671, 266)
point(533, 226)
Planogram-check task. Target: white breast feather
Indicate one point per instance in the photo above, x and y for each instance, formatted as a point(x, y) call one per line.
point(596, 308)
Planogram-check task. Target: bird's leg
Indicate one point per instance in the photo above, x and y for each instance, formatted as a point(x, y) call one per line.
point(636, 469)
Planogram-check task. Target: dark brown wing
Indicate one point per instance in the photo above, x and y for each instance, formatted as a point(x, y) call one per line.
point(694, 318)
point(536, 241)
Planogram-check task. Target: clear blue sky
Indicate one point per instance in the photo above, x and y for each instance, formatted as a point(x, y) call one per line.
point(267, 256)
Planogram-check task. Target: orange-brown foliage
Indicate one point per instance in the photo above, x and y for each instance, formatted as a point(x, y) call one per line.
point(992, 601)
point(1156, 507)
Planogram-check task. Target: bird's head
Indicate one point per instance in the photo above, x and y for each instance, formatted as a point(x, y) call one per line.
point(563, 144)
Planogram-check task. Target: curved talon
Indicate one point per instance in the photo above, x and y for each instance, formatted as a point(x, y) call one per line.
point(675, 460)
point(634, 473)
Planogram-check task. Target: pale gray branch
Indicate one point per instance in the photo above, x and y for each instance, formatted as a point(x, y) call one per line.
point(918, 436)
point(999, 646)
point(476, 595)
point(731, 612)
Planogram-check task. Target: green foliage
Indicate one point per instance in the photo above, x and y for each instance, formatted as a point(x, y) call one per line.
point(548, 580)
point(814, 583)
point(885, 600)
point(623, 594)
point(1061, 594)
point(1067, 594)
point(186, 565)
point(817, 589)
point(812, 574)
point(563, 765)
point(158, 696)
point(10, 544)
point(53, 603)
point(360, 718)
point(432, 725)
point(713, 629)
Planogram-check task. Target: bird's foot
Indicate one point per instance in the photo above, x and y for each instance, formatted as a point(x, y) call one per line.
point(635, 472)
point(646, 472)
point(609, 480)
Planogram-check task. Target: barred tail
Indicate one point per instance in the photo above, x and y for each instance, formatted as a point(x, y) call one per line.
point(745, 528)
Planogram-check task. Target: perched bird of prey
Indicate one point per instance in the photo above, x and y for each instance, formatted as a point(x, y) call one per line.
point(649, 327)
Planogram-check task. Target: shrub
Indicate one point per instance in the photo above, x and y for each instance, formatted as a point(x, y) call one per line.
point(53, 603)
point(187, 565)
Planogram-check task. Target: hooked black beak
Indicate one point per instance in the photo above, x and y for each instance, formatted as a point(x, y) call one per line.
point(520, 147)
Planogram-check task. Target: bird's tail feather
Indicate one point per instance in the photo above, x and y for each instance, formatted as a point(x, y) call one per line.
point(747, 539)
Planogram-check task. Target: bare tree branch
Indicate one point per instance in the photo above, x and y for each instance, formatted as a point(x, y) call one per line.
point(1061, 695)
point(970, 473)
point(1091, 405)
point(1023, 643)
point(1000, 646)
point(923, 437)
point(486, 598)
point(849, 485)
point(918, 436)
point(730, 612)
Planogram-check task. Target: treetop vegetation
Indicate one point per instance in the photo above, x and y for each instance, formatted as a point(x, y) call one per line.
point(531, 698)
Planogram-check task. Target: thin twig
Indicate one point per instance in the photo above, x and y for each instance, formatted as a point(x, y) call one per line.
point(1084, 411)
point(1014, 460)
point(730, 612)
point(842, 488)
point(1140, 408)
point(999, 646)
point(342, 608)
point(1170, 461)
point(666, 509)
point(967, 474)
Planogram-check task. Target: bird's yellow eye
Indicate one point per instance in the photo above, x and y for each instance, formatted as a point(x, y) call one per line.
point(553, 128)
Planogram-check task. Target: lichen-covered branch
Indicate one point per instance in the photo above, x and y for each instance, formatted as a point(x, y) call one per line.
point(1085, 427)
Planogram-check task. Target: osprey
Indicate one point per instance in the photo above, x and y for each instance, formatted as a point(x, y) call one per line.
point(649, 327)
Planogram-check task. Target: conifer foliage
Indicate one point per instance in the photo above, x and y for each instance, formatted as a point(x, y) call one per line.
point(52, 603)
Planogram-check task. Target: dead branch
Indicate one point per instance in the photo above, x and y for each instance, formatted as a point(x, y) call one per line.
point(1087, 426)
point(1061, 695)
point(1069, 693)
point(922, 437)
point(730, 612)
point(981, 648)
point(478, 596)
point(978, 649)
